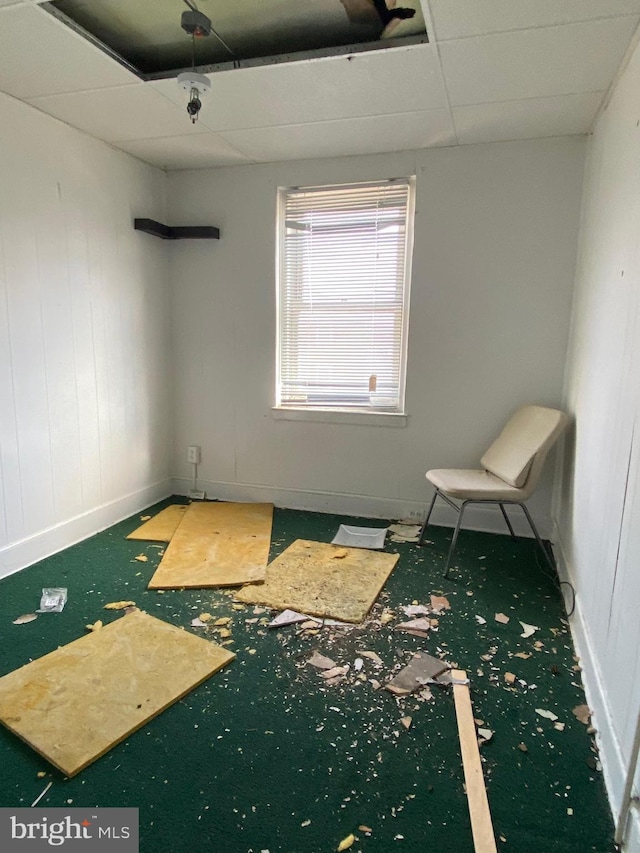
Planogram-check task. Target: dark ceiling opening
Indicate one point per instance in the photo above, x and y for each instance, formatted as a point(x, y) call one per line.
point(148, 35)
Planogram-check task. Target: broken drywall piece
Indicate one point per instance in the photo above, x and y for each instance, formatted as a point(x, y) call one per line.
point(416, 674)
point(582, 713)
point(321, 661)
point(198, 623)
point(223, 620)
point(358, 664)
point(406, 722)
point(401, 528)
point(481, 620)
point(335, 671)
point(485, 735)
point(502, 618)
point(119, 605)
point(439, 603)
point(142, 558)
point(346, 843)
point(405, 532)
point(421, 625)
point(528, 630)
point(523, 655)
point(416, 609)
point(510, 677)
point(548, 715)
point(27, 617)
point(372, 656)
point(287, 617)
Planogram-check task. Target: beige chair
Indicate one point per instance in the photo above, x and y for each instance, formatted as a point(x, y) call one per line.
point(510, 471)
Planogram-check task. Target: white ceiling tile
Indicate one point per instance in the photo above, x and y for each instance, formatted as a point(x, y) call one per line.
point(121, 113)
point(364, 135)
point(534, 117)
point(383, 81)
point(41, 56)
point(461, 18)
point(185, 152)
point(535, 63)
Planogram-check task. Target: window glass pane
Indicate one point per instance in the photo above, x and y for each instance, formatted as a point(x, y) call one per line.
point(343, 282)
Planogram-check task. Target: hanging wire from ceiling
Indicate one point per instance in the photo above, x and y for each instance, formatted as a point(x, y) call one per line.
point(194, 8)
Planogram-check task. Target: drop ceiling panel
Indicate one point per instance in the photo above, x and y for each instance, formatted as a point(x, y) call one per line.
point(535, 63)
point(386, 81)
point(185, 152)
point(529, 119)
point(462, 18)
point(124, 113)
point(40, 56)
point(364, 135)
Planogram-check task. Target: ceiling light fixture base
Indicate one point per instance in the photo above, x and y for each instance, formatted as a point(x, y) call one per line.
point(192, 80)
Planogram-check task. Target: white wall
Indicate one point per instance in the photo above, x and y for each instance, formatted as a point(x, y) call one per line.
point(599, 498)
point(84, 397)
point(495, 244)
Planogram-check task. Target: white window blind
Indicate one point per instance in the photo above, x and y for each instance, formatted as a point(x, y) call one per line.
point(343, 262)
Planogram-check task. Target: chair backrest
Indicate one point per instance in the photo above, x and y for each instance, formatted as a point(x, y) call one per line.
point(518, 454)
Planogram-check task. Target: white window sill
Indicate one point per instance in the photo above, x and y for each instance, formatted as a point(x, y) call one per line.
point(341, 416)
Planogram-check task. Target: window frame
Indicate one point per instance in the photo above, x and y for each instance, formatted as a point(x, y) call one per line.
point(339, 412)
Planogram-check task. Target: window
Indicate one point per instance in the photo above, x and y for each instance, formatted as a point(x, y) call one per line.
point(343, 269)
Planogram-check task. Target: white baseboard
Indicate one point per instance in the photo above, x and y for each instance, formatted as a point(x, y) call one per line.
point(611, 757)
point(476, 517)
point(19, 555)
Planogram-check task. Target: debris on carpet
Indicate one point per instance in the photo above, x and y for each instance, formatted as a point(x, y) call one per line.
point(27, 617)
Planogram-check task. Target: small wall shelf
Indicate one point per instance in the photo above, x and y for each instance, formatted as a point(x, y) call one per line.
point(181, 232)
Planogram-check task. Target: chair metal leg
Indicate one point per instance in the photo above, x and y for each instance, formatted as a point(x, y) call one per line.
point(537, 535)
point(426, 521)
point(506, 518)
point(455, 537)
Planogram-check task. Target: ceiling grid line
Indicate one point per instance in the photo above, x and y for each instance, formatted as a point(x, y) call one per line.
point(428, 16)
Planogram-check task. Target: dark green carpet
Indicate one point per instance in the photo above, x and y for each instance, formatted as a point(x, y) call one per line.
point(263, 757)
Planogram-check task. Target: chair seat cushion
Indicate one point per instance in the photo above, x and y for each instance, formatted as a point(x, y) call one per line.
point(475, 485)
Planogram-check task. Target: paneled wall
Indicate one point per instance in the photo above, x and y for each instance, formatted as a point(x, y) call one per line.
point(495, 244)
point(84, 393)
point(598, 500)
